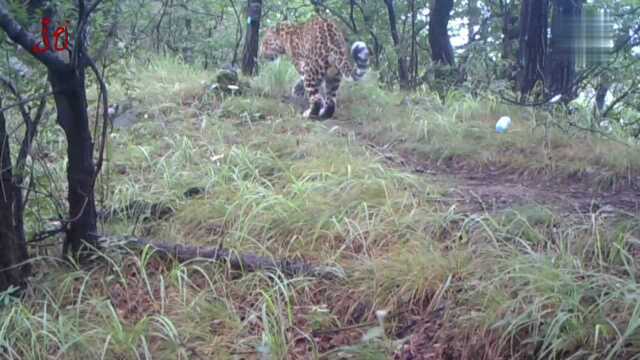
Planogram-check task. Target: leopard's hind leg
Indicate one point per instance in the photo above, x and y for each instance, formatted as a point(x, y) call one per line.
point(332, 84)
point(312, 83)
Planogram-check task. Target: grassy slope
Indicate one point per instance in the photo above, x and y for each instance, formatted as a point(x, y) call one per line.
point(516, 282)
point(462, 132)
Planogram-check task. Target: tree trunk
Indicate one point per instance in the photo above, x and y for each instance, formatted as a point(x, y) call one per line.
point(250, 53)
point(413, 59)
point(560, 64)
point(68, 84)
point(352, 5)
point(441, 49)
point(473, 16)
point(158, 26)
point(533, 43)
point(71, 105)
point(187, 50)
point(13, 250)
point(403, 73)
point(377, 49)
point(509, 31)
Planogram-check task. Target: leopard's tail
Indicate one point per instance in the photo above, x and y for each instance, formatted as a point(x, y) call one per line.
point(360, 56)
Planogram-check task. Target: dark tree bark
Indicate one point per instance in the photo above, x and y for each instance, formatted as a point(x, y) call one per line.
point(560, 63)
point(352, 19)
point(68, 84)
point(17, 169)
point(14, 269)
point(601, 95)
point(441, 49)
point(473, 16)
point(533, 43)
point(509, 29)
point(377, 49)
point(403, 73)
point(251, 43)
point(13, 249)
point(413, 58)
point(206, 54)
point(187, 50)
point(158, 25)
point(71, 105)
point(236, 46)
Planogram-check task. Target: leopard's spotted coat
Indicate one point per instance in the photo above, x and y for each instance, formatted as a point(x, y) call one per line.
point(320, 54)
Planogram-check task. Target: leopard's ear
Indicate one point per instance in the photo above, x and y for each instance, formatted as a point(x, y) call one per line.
point(268, 32)
point(283, 25)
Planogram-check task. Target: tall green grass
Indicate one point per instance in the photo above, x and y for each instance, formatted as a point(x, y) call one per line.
point(275, 79)
point(545, 284)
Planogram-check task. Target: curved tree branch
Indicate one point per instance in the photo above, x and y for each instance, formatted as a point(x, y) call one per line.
point(28, 41)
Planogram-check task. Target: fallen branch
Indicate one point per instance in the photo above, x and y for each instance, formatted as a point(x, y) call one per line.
point(237, 261)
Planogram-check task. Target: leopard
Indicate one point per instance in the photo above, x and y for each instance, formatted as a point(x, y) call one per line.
point(320, 54)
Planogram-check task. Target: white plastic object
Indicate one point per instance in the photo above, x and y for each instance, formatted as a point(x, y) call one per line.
point(555, 99)
point(503, 124)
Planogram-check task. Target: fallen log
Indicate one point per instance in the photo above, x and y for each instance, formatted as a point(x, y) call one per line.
point(237, 261)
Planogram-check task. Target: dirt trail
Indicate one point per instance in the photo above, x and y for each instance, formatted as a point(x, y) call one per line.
point(491, 189)
point(485, 189)
point(475, 189)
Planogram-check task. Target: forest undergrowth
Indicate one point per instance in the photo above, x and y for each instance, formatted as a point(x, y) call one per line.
point(449, 238)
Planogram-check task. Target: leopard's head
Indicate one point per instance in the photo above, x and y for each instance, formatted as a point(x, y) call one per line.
point(272, 45)
point(273, 42)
